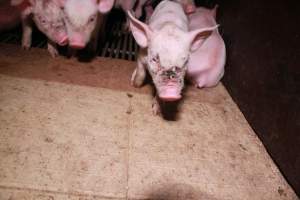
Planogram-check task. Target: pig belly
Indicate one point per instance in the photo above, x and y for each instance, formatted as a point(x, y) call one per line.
point(205, 67)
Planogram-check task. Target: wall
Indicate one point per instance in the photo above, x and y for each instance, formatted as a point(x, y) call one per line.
point(263, 74)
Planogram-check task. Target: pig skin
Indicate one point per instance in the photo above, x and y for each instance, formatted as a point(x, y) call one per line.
point(205, 67)
point(48, 18)
point(165, 44)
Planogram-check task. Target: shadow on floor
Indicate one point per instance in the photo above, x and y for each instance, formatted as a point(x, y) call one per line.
point(179, 192)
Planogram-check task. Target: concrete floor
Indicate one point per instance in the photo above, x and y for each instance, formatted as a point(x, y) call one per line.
point(263, 74)
point(71, 130)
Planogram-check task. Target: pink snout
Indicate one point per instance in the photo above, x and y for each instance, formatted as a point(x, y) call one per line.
point(77, 41)
point(170, 94)
point(63, 40)
point(189, 8)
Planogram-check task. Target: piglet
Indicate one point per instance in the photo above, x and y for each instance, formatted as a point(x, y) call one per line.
point(205, 66)
point(83, 21)
point(188, 6)
point(165, 45)
point(125, 5)
point(133, 5)
point(48, 18)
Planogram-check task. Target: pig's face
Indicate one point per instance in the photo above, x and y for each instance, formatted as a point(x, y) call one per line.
point(168, 52)
point(48, 17)
point(81, 20)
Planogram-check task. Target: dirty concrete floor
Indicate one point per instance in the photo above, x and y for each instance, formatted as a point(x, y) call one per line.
point(263, 74)
point(71, 130)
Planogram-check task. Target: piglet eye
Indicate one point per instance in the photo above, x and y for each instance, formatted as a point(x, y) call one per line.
point(42, 19)
point(92, 19)
point(155, 59)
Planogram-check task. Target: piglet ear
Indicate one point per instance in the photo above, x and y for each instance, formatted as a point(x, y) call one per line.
point(140, 31)
point(60, 3)
point(105, 6)
point(214, 11)
point(197, 37)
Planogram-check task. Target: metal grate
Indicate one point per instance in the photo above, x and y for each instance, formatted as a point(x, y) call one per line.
point(118, 43)
point(12, 37)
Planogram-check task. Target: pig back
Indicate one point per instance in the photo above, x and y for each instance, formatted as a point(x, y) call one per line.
point(201, 18)
point(168, 12)
point(206, 64)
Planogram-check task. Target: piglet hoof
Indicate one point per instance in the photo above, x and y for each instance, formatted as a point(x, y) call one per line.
point(199, 84)
point(135, 81)
point(53, 52)
point(136, 84)
point(25, 46)
point(133, 78)
point(26, 43)
point(155, 107)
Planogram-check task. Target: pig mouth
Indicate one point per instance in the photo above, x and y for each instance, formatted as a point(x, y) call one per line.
point(63, 41)
point(169, 85)
point(77, 45)
point(170, 92)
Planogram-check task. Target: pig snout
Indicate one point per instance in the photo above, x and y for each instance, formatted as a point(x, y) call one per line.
point(62, 39)
point(77, 41)
point(170, 93)
point(189, 8)
point(171, 88)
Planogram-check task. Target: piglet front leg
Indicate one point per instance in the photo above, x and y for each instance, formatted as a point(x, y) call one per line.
point(52, 48)
point(149, 11)
point(94, 37)
point(139, 9)
point(156, 110)
point(27, 33)
point(139, 74)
